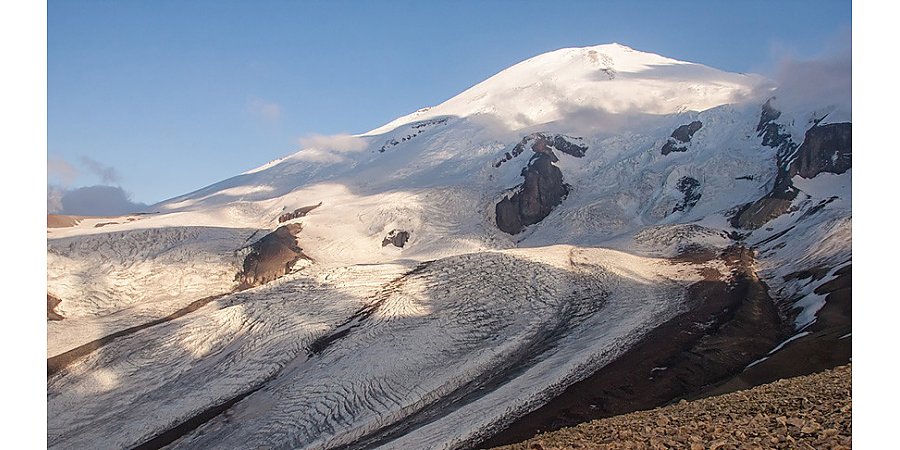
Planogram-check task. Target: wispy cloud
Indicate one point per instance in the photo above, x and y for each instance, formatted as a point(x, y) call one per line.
point(818, 81)
point(106, 174)
point(329, 148)
point(338, 143)
point(264, 109)
point(61, 170)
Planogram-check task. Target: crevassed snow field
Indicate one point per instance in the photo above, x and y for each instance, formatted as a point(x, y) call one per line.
point(463, 329)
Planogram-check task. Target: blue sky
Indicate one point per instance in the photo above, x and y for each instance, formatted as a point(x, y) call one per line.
point(165, 97)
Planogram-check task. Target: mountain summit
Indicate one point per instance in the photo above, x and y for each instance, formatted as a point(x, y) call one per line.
point(611, 78)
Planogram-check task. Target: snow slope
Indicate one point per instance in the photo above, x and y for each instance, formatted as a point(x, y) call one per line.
point(612, 78)
point(465, 327)
point(445, 330)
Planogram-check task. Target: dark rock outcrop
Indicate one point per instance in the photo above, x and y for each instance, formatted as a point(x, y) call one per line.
point(778, 200)
point(684, 133)
point(418, 127)
point(545, 143)
point(755, 214)
point(52, 303)
point(772, 133)
point(542, 190)
point(768, 116)
point(297, 213)
point(826, 148)
point(395, 237)
point(690, 187)
point(681, 136)
point(271, 257)
point(562, 144)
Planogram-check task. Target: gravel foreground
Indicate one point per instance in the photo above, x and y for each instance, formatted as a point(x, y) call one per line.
point(809, 412)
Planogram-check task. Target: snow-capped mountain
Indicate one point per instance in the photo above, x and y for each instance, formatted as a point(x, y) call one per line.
point(429, 282)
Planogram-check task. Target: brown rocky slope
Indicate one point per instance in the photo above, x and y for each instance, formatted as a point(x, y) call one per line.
point(808, 412)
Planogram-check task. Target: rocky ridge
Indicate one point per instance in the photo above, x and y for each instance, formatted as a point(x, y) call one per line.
point(271, 257)
point(825, 149)
point(681, 137)
point(543, 188)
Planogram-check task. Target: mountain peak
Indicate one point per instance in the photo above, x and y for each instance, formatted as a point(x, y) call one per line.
point(609, 78)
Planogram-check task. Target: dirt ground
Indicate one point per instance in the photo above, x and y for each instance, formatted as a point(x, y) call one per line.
point(808, 412)
point(62, 221)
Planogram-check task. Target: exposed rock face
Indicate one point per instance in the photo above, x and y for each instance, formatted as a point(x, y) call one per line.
point(826, 148)
point(297, 213)
point(52, 303)
point(418, 127)
point(755, 214)
point(690, 187)
point(685, 132)
point(778, 201)
point(546, 143)
point(562, 144)
point(397, 238)
point(271, 257)
point(773, 134)
point(768, 116)
point(542, 190)
point(509, 219)
point(681, 136)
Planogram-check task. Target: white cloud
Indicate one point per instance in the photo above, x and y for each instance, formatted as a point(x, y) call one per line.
point(816, 82)
point(329, 148)
point(107, 174)
point(264, 109)
point(319, 156)
point(337, 143)
point(63, 172)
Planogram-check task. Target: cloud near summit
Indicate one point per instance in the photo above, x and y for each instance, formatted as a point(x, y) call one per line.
point(329, 148)
point(808, 82)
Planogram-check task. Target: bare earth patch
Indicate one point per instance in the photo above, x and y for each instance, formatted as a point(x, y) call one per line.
point(809, 412)
point(62, 221)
